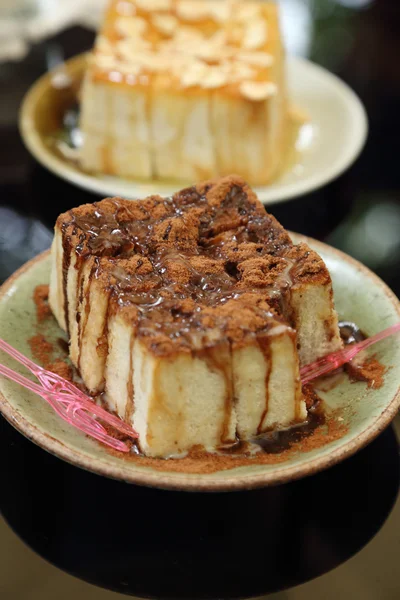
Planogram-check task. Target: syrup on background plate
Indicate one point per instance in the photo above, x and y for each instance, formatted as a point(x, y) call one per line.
point(57, 122)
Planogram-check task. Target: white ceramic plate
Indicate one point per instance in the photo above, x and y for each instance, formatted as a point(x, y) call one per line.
point(328, 144)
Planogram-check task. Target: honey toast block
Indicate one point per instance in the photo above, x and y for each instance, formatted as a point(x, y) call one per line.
point(191, 314)
point(186, 90)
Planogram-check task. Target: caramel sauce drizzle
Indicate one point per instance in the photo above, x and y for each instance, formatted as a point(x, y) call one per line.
point(219, 360)
point(83, 322)
point(129, 387)
point(266, 350)
point(174, 233)
point(80, 299)
point(299, 398)
point(65, 268)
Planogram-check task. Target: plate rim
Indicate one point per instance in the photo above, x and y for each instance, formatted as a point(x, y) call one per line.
point(196, 483)
point(268, 196)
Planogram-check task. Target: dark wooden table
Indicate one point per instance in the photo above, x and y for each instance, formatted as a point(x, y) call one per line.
point(168, 545)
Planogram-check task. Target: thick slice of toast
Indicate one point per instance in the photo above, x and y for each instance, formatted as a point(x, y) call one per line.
point(186, 90)
point(192, 313)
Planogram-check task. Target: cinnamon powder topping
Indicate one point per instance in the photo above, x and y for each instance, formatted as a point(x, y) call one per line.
point(41, 349)
point(318, 433)
point(371, 371)
point(61, 368)
point(40, 298)
point(189, 260)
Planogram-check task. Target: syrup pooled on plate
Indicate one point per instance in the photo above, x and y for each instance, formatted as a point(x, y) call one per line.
point(350, 333)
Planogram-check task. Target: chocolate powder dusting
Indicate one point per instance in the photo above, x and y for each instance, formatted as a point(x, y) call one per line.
point(333, 429)
point(43, 352)
point(310, 396)
point(41, 349)
point(371, 371)
point(61, 368)
point(199, 461)
point(41, 297)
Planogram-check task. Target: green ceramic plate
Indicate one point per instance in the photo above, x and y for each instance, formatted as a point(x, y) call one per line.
point(360, 297)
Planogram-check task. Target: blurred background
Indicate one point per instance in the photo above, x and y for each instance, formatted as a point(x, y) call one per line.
point(359, 40)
